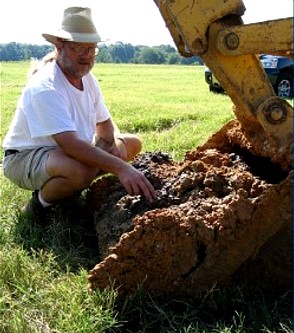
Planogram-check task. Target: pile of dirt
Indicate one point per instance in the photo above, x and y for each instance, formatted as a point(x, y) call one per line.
point(221, 215)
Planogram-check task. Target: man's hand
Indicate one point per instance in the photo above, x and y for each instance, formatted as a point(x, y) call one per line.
point(136, 183)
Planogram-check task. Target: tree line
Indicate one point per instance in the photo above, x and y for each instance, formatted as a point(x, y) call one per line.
point(114, 53)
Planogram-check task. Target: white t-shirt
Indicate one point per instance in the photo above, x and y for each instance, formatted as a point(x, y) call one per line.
point(49, 104)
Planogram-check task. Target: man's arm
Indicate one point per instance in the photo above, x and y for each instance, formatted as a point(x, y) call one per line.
point(108, 132)
point(132, 179)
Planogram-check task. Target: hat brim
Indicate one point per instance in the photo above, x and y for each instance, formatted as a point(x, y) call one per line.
point(72, 37)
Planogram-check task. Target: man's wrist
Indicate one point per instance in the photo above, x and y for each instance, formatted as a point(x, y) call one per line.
point(104, 144)
point(111, 142)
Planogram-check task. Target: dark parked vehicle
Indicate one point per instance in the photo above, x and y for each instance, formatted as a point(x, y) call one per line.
point(278, 68)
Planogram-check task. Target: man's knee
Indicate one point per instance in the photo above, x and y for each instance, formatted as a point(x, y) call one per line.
point(84, 177)
point(133, 145)
point(77, 175)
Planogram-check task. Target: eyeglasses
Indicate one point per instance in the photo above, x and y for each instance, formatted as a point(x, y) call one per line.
point(83, 50)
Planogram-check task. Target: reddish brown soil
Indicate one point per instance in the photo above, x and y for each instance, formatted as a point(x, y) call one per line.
point(220, 216)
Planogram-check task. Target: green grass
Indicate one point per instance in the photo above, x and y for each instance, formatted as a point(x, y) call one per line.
point(169, 106)
point(43, 271)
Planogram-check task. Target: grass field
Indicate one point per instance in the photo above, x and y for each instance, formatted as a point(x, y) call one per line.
point(43, 272)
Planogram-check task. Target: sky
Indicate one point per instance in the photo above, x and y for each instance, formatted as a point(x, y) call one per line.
point(128, 21)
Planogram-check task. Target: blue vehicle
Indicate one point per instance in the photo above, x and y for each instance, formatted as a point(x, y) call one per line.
point(278, 68)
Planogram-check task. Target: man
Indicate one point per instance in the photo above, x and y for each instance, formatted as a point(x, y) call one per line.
point(49, 147)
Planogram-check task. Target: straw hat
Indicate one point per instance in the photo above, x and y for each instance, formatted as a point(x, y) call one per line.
point(76, 26)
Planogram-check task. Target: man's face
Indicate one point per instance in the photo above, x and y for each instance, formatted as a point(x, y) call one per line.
point(76, 59)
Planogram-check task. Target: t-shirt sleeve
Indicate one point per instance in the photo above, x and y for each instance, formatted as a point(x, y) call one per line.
point(47, 114)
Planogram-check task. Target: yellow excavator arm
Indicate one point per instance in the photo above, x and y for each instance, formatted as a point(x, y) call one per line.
point(214, 30)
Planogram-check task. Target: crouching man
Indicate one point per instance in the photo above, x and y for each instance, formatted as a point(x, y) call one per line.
point(62, 134)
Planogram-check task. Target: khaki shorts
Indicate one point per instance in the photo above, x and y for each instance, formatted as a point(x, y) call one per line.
point(27, 168)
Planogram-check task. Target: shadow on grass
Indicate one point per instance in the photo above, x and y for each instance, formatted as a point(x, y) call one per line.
point(68, 233)
point(237, 309)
